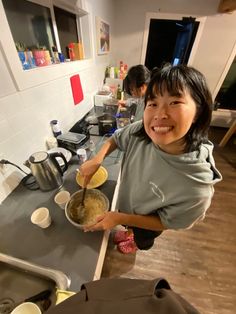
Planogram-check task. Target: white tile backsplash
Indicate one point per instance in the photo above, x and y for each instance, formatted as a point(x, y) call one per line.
point(5, 130)
point(25, 120)
point(9, 105)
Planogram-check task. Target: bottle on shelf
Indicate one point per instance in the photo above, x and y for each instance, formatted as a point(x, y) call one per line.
point(107, 74)
point(121, 66)
point(118, 92)
point(125, 70)
point(55, 55)
point(71, 51)
point(121, 72)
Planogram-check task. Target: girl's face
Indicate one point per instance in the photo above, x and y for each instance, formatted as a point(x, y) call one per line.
point(138, 92)
point(167, 119)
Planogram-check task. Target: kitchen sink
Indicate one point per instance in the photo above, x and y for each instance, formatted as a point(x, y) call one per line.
point(24, 281)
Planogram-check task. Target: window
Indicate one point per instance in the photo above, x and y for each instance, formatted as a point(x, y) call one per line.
point(16, 26)
point(44, 26)
point(67, 29)
point(30, 24)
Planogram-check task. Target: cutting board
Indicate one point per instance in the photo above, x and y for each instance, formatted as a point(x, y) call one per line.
point(76, 88)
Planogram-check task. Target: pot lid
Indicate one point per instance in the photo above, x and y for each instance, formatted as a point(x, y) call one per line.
point(106, 118)
point(38, 157)
point(72, 137)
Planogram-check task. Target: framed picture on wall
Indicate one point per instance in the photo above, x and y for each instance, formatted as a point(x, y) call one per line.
point(103, 36)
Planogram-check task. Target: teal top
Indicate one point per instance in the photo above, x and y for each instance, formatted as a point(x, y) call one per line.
point(178, 188)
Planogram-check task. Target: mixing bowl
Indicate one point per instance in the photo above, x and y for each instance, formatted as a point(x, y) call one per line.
point(95, 204)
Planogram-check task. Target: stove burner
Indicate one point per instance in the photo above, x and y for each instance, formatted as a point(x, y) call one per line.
point(6, 305)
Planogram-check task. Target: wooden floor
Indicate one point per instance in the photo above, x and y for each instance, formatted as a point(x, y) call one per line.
point(200, 263)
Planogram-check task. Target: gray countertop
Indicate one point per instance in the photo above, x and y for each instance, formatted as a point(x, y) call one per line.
point(61, 246)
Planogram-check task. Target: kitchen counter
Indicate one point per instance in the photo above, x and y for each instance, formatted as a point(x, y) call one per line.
point(61, 246)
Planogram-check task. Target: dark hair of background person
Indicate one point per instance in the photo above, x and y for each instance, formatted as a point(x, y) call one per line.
point(176, 80)
point(136, 77)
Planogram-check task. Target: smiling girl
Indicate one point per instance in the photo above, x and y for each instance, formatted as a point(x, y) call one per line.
point(168, 171)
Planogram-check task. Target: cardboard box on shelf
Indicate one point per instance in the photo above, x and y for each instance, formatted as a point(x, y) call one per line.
point(76, 51)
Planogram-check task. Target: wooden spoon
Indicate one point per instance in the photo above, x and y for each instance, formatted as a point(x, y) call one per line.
point(83, 196)
point(81, 207)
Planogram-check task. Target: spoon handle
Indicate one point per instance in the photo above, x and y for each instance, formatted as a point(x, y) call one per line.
point(83, 196)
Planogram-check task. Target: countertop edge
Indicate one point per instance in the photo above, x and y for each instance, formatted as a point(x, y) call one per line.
point(101, 257)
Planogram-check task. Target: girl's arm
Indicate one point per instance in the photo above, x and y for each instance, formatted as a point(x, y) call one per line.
point(111, 219)
point(149, 222)
point(108, 147)
point(88, 168)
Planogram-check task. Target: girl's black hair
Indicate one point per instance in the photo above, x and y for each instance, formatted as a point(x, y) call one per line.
point(176, 80)
point(136, 77)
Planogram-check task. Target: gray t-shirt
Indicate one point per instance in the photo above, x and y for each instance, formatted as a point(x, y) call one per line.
point(179, 188)
point(139, 102)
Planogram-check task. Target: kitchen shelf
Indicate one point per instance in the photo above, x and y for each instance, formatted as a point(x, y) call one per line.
point(24, 79)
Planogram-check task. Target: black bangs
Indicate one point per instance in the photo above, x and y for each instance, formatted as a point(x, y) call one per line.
point(170, 80)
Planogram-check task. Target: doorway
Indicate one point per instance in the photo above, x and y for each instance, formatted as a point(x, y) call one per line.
point(170, 38)
point(226, 97)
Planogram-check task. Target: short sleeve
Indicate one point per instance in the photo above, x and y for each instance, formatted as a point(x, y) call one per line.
point(122, 136)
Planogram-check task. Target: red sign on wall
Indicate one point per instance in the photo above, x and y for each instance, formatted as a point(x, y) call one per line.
point(76, 88)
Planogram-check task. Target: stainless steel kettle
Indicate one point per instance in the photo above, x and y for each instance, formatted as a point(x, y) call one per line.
point(46, 169)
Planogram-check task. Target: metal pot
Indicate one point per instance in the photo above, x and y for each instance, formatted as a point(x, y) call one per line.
point(106, 124)
point(94, 197)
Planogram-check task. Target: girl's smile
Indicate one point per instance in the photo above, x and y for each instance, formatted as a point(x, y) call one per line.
point(162, 129)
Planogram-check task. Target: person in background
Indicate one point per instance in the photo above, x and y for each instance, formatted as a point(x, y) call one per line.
point(135, 85)
point(168, 171)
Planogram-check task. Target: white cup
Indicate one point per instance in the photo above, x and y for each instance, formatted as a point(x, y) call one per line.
point(41, 217)
point(82, 155)
point(51, 142)
point(27, 308)
point(61, 198)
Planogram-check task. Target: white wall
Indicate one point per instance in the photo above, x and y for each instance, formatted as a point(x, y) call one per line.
point(215, 46)
point(25, 115)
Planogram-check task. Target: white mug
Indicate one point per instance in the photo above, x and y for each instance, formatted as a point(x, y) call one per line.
point(82, 155)
point(41, 217)
point(61, 198)
point(27, 308)
point(51, 142)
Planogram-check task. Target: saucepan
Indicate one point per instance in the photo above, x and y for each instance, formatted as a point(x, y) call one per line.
point(106, 124)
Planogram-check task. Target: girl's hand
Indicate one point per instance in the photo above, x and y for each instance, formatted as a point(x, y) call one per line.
point(87, 170)
point(122, 103)
point(106, 221)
